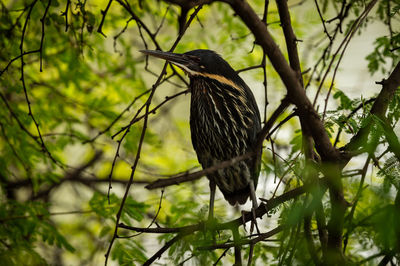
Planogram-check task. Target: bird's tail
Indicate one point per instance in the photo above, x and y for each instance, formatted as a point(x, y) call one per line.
point(239, 196)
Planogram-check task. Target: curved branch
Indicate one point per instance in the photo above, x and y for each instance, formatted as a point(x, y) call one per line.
point(186, 177)
point(248, 216)
point(264, 208)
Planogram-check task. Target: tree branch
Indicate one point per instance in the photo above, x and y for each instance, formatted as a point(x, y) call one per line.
point(260, 237)
point(296, 93)
point(104, 14)
point(186, 177)
point(133, 167)
point(379, 108)
point(264, 207)
point(290, 37)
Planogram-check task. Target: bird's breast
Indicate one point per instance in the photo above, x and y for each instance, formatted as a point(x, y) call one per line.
point(220, 119)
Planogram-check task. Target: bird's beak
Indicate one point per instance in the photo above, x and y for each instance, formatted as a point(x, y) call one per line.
point(183, 61)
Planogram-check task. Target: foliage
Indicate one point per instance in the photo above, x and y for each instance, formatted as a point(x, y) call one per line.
point(84, 126)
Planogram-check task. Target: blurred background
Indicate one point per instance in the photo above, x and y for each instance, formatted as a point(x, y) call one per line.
point(67, 102)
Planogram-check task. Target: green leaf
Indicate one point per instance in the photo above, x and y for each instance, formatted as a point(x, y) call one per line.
point(345, 102)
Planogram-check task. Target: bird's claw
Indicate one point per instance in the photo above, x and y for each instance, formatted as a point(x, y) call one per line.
point(254, 221)
point(244, 220)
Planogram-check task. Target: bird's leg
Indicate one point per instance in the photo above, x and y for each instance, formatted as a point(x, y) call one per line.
point(212, 197)
point(253, 198)
point(243, 212)
point(211, 208)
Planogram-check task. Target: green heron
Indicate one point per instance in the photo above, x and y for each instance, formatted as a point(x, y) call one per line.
point(224, 122)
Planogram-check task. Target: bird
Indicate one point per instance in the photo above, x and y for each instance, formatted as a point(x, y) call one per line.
point(224, 123)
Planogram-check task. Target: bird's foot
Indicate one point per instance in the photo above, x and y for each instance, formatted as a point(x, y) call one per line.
point(253, 221)
point(244, 220)
point(253, 209)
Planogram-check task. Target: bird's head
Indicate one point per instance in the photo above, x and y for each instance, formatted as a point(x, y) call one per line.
point(196, 62)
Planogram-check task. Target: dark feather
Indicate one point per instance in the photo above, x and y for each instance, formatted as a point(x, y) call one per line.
point(224, 121)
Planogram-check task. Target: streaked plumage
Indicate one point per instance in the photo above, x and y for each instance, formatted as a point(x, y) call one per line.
point(224, 120)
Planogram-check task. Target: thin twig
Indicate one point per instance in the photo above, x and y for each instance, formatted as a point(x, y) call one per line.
point(322, 20)
point(354, 204)
point(260, 237)
point(137, 118)
point(162, 250)
point(354, 27)
point(65, 14)
point(152, 36)
point(42, 20)
point(118, 117)
point(30, 113)
point(220, 257)
point(118, 216)
point(104, 14)
point(16, 58)
point(119, 34)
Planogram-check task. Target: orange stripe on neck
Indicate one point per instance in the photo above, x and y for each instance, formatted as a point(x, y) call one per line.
point(223, 80)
